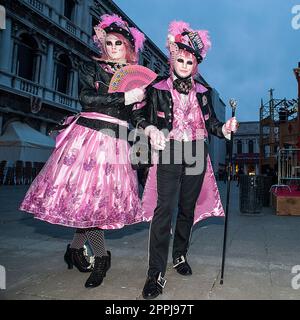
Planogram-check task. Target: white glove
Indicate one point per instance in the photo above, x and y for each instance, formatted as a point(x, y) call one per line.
point(157, 138)
point(230, 125)
point(134, 96)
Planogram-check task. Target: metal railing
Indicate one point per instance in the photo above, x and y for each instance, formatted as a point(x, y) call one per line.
point(31, 88)
point(288, 166)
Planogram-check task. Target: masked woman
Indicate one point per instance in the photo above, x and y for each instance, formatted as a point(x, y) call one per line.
point(179, 118)
point(88, 182)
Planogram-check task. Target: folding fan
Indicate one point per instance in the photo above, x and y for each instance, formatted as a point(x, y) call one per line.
point(131, 77)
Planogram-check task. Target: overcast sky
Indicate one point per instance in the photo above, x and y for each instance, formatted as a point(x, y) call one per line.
point(254, 46)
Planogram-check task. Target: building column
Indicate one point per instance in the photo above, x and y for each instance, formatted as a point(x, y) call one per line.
point(78, 14)
point(86, 18)
point(49, 67)
point(38, 68)
point(75, 84)
point(54, 77)
point(14, 65)
point(6, 41)
point(62, 7)
point(1, 124)
point(70, 91)
point(43, 71)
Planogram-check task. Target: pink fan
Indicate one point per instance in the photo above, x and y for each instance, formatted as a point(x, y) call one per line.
point(131, 77)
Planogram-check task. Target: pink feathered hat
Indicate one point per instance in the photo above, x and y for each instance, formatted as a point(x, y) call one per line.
point(181, 36)
point(113, 23)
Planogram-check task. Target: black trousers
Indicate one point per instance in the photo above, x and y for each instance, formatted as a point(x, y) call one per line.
point(174, 180)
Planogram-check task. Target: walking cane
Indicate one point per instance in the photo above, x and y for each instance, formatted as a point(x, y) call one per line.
point(233, 105)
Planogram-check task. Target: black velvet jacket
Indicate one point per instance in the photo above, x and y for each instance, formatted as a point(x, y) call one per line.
point(95, 99)
point(159, 101)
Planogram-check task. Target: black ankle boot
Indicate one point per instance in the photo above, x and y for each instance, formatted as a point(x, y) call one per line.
point(153, 286)
point(182, 267)
point(101, 266)
point(76, 257)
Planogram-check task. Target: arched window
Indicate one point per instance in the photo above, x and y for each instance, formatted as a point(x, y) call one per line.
point(239, 147)
point(250, 146)
point(26, 57)
point(69, 11)
point(63, 72)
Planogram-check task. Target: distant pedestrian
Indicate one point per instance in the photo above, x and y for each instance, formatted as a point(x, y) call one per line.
point(225, 176)
point(239, 173)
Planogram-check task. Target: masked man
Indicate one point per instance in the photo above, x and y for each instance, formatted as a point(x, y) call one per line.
point(179, 118)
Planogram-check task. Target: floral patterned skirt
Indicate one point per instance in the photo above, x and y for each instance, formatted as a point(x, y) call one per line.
point(87, 182)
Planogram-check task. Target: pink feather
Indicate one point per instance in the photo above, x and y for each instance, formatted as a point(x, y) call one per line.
point(139, 39)
point(108, 19)
point(177, 27)
point(206, 41)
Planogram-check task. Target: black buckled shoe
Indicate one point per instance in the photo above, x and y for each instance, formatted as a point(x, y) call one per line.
point(101, 266)
point(182, 266)
point(77, 258)
point(154, 286)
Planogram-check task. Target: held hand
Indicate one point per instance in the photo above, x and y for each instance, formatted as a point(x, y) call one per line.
point(134, 96)
point(231, 125)
point(157, 138)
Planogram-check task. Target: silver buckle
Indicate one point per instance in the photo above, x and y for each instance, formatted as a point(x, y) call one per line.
point(161, 281)
point(179, 261)
point(90, 259)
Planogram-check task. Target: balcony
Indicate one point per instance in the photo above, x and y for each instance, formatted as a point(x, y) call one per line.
point(28, 88)
point(37, 4)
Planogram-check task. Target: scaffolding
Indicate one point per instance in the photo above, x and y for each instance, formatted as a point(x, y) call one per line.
point(278, 130)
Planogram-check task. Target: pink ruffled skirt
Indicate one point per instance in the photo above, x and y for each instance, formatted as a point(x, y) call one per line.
point(87, 182)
